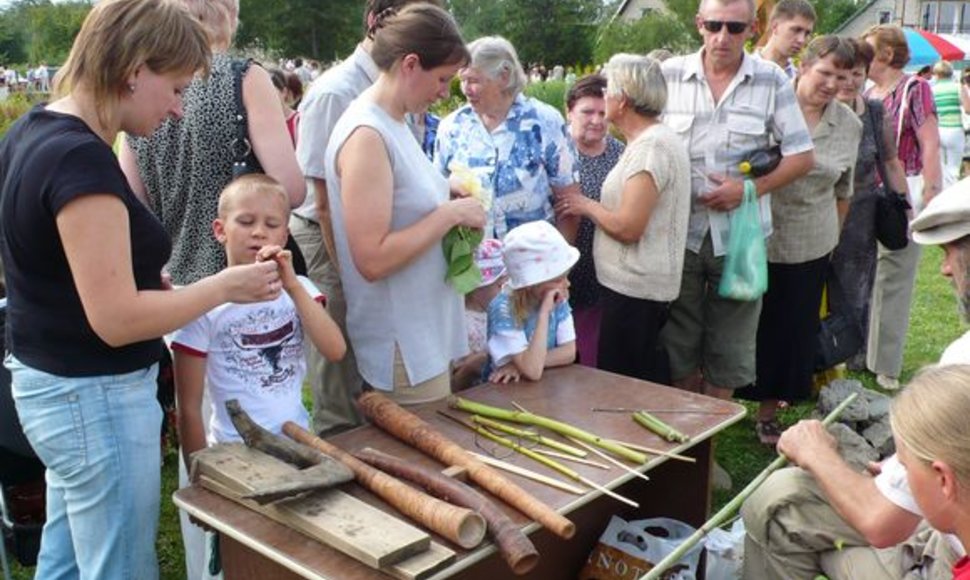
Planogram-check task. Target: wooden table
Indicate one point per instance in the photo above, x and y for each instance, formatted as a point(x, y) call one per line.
point(255, 547)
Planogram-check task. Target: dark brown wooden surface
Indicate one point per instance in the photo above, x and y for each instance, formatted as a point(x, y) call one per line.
point(677, 489)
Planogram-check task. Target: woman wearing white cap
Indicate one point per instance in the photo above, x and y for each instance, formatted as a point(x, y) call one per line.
point(530, 325)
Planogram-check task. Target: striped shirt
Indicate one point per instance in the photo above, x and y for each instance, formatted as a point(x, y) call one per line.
point(757, 110)
point(946, 94)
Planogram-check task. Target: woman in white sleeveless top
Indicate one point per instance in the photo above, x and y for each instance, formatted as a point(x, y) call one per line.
point(391, 209)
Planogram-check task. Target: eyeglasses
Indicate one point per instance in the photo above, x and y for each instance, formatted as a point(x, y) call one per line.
point(716, 25)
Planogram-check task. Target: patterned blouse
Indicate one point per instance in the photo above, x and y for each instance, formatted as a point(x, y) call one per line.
point(592, 171)
point(518, 163)
point(185, 164)
point(920, 106)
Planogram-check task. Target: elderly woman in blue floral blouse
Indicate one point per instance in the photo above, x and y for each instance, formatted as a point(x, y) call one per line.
point(518, 147)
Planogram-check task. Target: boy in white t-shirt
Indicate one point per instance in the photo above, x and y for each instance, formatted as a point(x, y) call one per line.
point(251, 352)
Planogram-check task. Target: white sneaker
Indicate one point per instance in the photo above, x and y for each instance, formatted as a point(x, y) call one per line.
point(887, 382)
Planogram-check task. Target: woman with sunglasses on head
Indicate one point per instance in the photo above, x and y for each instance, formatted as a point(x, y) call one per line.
point(807, 217)
point(86, 300)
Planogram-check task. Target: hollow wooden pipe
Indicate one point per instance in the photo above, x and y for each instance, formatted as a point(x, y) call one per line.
point(460, 525)
point(412, 430)
point(518, 551)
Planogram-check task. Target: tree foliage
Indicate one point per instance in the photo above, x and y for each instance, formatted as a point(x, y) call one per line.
point(542, 31)
point(654, 30)
point(39, 30)
point(309, 28)
point(832, 14)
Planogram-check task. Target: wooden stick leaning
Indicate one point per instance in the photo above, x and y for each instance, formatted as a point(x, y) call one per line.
point(725, 513)
point(518, 551)
point(528, 474)
point(551, 424)
point(412, 430)
point(570, 473)
point(460, 525)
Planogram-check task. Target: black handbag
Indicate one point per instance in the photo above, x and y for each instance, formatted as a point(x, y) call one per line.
point(244, 160)
point(892, 221)
point(839, 334)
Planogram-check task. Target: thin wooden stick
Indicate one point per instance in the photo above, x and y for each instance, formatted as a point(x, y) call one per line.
point(568, 457)
point(608, 492)
point(616, 462)
point(728, 510)
point(570, 473)
point(560, 427)
point(530, 435)
point(654, 451)
point(527, 473)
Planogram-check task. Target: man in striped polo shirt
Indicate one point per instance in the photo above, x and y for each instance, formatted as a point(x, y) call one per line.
point(726, 105)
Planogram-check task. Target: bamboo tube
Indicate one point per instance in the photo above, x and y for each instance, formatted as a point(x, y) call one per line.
point(659, 427)
point(725, 513)
point(514, 545)
point(551, 424)
point(409, 428)
point(522, 433)
point(460, 525)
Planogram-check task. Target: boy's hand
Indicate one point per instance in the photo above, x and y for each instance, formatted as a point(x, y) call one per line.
point(284, 259)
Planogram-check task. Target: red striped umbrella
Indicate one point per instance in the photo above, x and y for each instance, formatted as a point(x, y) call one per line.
point(944, 49)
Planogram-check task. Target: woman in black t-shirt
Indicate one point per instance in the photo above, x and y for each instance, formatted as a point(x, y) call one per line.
point(86, 305)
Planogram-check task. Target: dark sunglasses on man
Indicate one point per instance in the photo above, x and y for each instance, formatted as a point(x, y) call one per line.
point(716, 25)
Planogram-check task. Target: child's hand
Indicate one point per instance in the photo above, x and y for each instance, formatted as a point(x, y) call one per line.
point(508, 373)
point(552, 297)
point(284, 259)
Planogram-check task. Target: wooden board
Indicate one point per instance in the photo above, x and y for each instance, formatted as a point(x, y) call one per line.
point(333, 517)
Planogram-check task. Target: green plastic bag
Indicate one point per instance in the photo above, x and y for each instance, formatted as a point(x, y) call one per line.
point(745, 275)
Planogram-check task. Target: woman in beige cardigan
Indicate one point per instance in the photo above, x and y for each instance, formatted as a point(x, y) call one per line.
point(641, 221)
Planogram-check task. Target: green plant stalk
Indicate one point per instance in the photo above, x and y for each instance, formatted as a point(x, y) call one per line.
point(659, 427)
point(726, 512)
point(551, 424)
point(552, 443)
point(571, 474)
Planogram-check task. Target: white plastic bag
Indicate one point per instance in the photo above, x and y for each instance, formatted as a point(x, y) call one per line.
point(628, 550)
point(725, 552)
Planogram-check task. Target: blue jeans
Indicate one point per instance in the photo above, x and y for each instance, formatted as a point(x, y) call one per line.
point(100, 439)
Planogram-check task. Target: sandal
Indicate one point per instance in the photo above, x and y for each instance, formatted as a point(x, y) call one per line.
point(768, 431)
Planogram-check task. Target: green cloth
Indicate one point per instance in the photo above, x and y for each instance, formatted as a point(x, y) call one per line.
point(946, 93)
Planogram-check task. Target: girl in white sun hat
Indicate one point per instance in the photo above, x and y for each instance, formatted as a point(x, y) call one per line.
point(530, 324)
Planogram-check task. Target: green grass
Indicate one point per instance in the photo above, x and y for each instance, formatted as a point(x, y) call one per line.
point(933, 325)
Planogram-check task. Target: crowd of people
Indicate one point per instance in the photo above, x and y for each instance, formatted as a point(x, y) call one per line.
point(260, 202)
